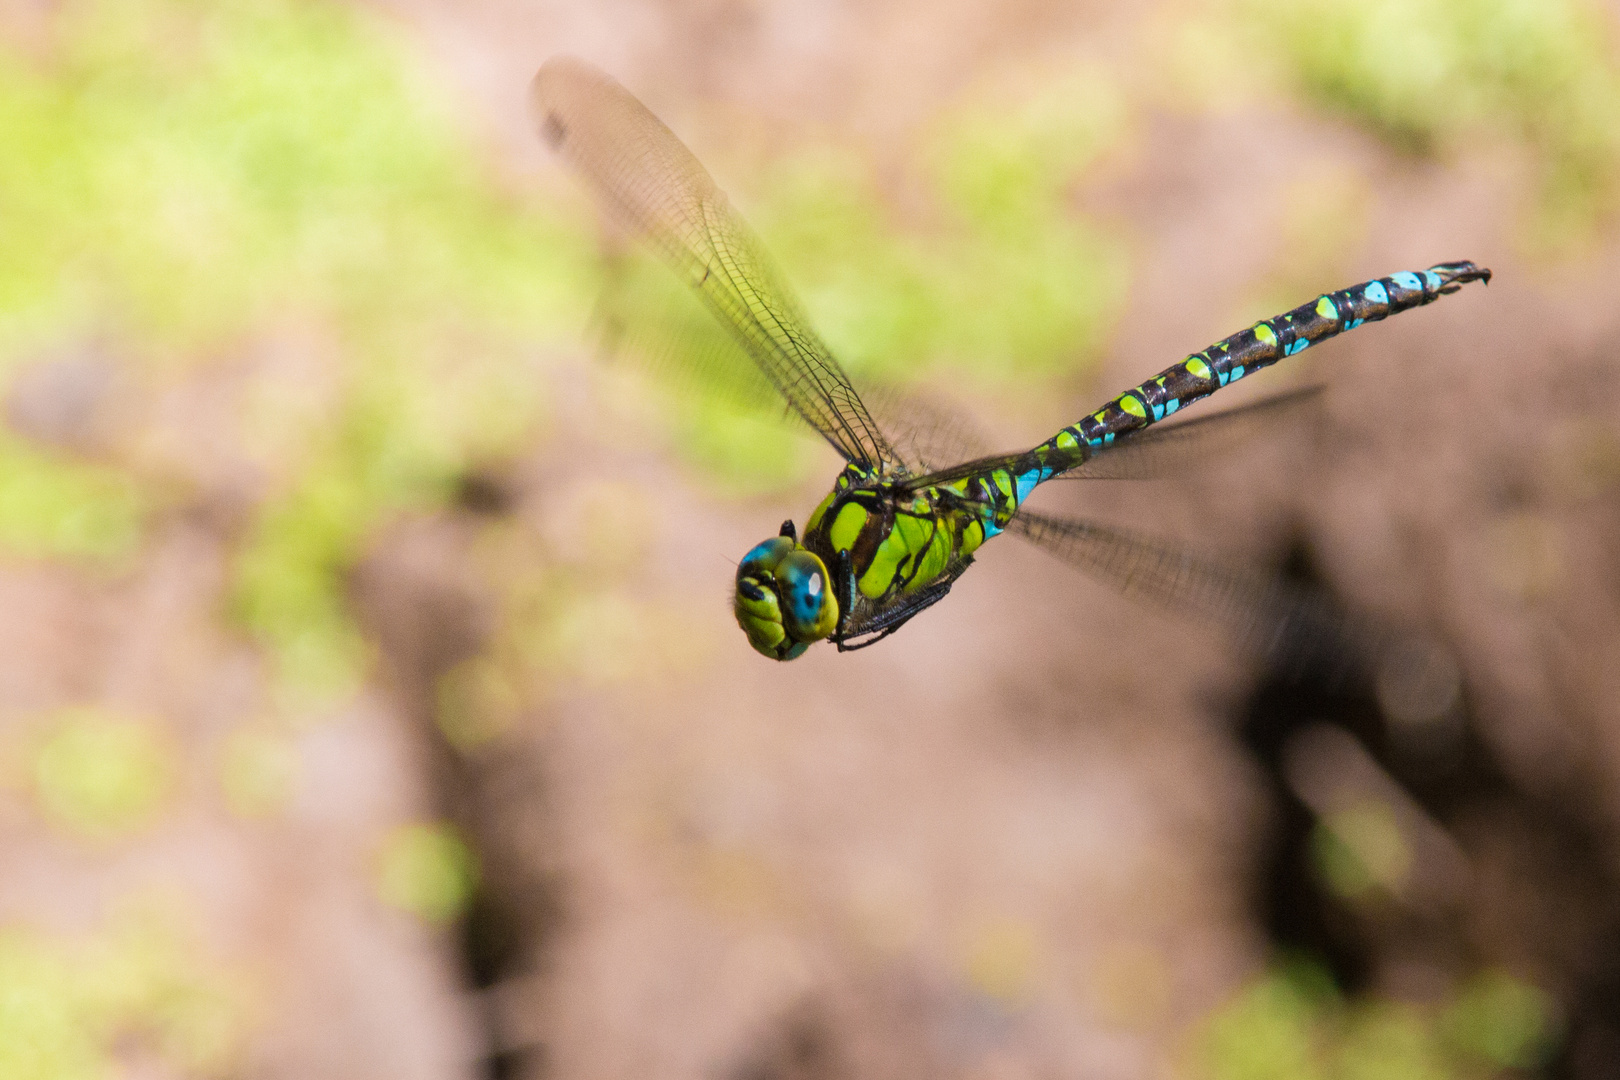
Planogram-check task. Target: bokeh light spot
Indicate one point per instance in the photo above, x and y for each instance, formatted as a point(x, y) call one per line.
point(1525, 556)
point(1502, 1020)
point(477, 703)
point(258, 770)
point(1001, 959)
point(1361, 848)
point(102, 775)
point(1270, 1031)
point(1131, 985)
point(427, 870)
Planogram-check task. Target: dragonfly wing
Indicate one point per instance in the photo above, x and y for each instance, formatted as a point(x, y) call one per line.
point(1295, 629)
point(928, 431)
point(650, 180)
point(648, 321)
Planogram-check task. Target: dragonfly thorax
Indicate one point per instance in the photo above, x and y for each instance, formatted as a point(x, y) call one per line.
point(784, 599)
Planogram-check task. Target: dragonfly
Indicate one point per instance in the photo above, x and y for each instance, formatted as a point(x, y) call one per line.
point(897, 530)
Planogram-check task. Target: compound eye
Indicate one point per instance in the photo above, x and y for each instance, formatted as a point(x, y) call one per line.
point(809, 609)
point(763, 559)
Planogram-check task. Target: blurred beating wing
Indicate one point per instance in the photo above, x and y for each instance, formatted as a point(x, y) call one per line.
point(1294, 629)
point(658, 187)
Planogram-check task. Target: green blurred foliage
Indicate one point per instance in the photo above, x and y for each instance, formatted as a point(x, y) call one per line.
point(1269, 1031)
point(477, 701)
point(52, 506)
point(1433, 74)
point(192, 175)
point(1292, 1024)
point(102, 776)
point(189, 178)
point(135, 996)
point(1388, 1040)
point(1361, 849)
point(1503, 1021)
point(1010, 283)
point(45, 1028)
point(427, 870)
point(581, 605)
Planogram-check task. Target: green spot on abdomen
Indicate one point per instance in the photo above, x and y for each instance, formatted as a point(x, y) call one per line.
point(1197, 367)
point(1325, 308)
point(1132, 405)
point(1264, 333)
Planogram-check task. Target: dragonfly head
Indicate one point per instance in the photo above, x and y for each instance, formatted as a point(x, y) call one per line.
point(784, 597)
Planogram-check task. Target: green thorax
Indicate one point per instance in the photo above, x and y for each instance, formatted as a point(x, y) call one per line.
point(899, 540)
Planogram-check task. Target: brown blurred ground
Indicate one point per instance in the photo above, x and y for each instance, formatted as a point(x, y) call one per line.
point(1020, 838)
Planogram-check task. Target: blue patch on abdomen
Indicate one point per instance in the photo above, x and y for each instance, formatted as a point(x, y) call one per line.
point(1027, 482)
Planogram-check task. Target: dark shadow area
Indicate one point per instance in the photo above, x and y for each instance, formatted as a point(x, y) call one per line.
point(428, 615)
point(1538, 894)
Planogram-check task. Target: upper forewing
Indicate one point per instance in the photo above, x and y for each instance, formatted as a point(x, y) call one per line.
point(655, 184)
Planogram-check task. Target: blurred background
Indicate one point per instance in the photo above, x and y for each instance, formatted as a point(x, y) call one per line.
point(370, 702)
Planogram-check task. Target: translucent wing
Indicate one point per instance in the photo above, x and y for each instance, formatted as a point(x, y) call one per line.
point(1294, 629)
point(646, 320)
point(1159, 451)
point(650, 322)
point(652, 181)
point(931, 432)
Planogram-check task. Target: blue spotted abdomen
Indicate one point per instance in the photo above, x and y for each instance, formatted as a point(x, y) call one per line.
point(1264, 343)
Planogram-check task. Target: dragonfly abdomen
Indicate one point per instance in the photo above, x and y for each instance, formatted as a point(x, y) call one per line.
point(1263, 344)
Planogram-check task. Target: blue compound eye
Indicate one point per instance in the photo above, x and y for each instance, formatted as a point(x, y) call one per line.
point(809, 609)
point(763, 558)
point(783, 600)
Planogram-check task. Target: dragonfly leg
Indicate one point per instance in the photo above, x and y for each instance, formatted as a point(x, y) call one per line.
point(846, 576)
point(887, 622)
point(872, 640)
